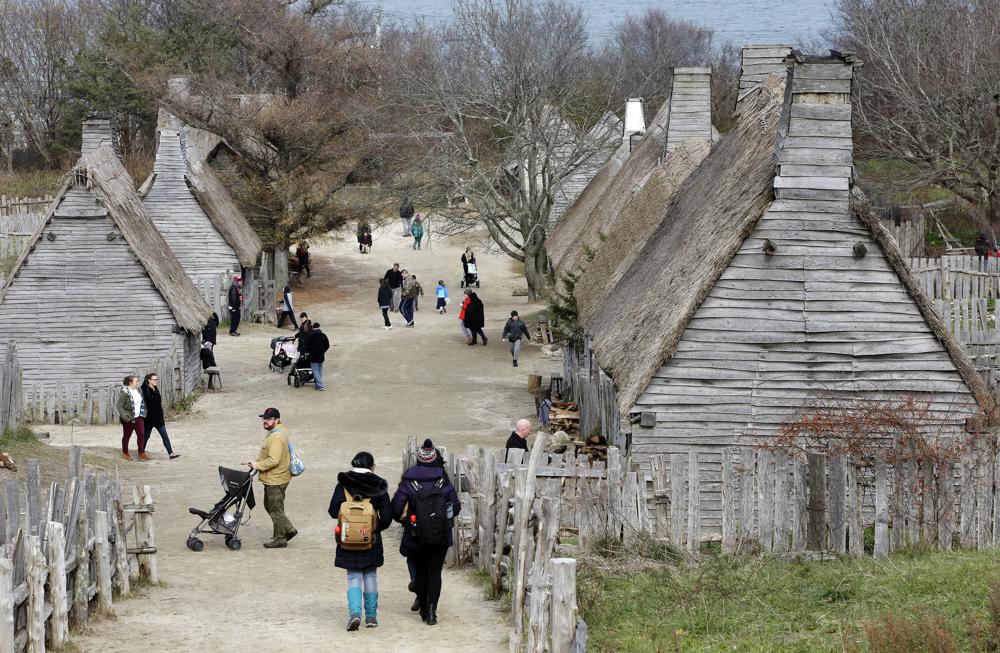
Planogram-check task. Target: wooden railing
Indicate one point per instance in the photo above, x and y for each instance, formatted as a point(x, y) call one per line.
point(67, 556)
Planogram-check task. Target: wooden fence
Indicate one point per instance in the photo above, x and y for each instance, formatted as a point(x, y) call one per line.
point(594, 393)
point(15, 232)
point(15, 205)
point(66, 556)
point(11, 397)
point(957, 277)
point(910, 234)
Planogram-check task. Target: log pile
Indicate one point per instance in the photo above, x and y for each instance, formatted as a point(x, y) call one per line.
point(565, 416)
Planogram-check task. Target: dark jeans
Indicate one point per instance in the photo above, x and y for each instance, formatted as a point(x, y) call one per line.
point(289, 315)
point(139, 427)
point(234, 321)
point(406, 309)
point(428, 564)
point(274, 504)
point(385, 316)
point(304, 267)
point(478, 332)
point(162, 430)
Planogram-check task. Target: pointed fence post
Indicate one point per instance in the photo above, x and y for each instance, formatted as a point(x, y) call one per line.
point(564, 609)
point(102, 554)
point(59, 623)
point(37, 573)
point(6, 605)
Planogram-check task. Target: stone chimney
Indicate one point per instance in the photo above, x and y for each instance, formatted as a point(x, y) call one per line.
point(690, 106)
point(97, 132)
point(635, 121)
point(757, 62)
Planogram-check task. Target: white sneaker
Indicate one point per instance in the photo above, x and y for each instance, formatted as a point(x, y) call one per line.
point(388, 327)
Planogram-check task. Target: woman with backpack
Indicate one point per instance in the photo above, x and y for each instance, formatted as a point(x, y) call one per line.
point(426, 503)
point(361, 506)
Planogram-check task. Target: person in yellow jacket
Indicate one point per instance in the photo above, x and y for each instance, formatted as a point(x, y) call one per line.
point(272, 468)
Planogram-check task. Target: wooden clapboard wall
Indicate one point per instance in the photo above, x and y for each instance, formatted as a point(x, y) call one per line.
point(812, 317)
point(690, 106)
point(175, 211)
point(757, 63)
point(82, 307)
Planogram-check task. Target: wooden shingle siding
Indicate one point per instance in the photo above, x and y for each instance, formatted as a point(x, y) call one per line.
point(82, 308)
point(758, 62)
point(778, 331)
point(690, 106)
point(198, 245)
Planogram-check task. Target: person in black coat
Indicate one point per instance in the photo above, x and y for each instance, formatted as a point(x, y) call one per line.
point(234, 300)
point(427, 560)
point(362, 566)
point(475, 318)
point(316, 345)
point(208, 334)
point(155, 418)
point(385, 301)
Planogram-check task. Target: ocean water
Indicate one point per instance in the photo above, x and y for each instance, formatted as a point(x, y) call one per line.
point(738, 21)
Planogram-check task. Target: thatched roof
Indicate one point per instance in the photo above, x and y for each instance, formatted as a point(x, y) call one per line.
point(600, 204)
point(639, 218)
point(638, 328)
point(101, 171)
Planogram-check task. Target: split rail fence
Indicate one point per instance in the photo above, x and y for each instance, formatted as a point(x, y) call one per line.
point(65, 556)
point(17, 205)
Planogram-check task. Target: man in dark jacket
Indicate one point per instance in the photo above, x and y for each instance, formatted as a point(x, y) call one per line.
point(426, 477)
point(316, 344)
point(394, 277)
point(235, 301)
point(362, 566)
point(208, 333)
point(518, 437)
point(406, 212)
point(513, 331)
point(475, 318)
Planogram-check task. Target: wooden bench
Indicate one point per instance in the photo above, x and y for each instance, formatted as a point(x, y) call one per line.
point(212, 377)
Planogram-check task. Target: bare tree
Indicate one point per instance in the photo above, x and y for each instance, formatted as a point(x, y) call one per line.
point(929, 92)
point(499, 100)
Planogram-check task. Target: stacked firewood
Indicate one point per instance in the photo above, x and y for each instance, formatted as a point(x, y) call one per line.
point(564, 416)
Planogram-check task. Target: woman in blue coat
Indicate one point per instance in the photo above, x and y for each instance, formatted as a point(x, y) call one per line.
point(362, 566)
point(428, 561)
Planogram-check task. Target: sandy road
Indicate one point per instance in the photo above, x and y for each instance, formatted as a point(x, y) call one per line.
point(382, 387)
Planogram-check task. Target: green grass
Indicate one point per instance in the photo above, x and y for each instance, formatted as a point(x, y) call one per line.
point(747, 604)
point(30, 183)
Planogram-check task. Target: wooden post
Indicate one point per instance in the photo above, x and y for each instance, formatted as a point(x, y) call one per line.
point(81, 575)
point(967, 515)
point(59, 624)
point(534, 383)
point(694, 504)
point(946, 504)
point(541, 574)
point(800, 503)
point(6, 605)
point(525, 501)
point(781, 502)
point(678, 484)
point(765, 498)
point(748, 463)
point(33, 492)
point(564, 610)
point(729, 501)
point(661, 496)
point(817, 501)
point(838, 496)
point(122, 582)
point(102, 553)
point(487, 509)
point(855, 529)
point(614, 492)
point(144, 533)
point(881, 508)
point(503, 518)
point(36, 595)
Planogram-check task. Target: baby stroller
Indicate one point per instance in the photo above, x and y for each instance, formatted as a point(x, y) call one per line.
point(225, 516)
point(301, 373)
point(471, 276)
point(283, 352)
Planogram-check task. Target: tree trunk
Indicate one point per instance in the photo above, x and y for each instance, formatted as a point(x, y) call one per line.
point(535, 266)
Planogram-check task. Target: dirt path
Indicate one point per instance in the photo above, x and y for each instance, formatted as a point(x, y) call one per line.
point(382, 387)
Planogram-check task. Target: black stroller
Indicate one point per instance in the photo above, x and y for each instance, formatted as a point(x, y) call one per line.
point(471, 276)
point(284, 350)
point(301, 373)
point(225, 516)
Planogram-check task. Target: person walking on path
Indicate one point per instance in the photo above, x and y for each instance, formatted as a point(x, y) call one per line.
point(394, 277)
point(468, 257)
point(406, 215)
point(411, 290)
point(461, 316)
point(272, 469)
point(513, 331)
point(426, 503)
point(305, 326)
point(316, 345)
point(420, 293)
point(132, 413)
point(475, 318)
point(287, 309)
point(208, 334)
point(355, 488)
point(385, 302)
point(302, 254)
point(366, 241)
point(235, 300)
point(518, 437)
point(155, 419)
point(417, 230)
point(982, 247)
point(442, 297)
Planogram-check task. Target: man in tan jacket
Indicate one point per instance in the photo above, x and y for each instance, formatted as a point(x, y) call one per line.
point(272, 467)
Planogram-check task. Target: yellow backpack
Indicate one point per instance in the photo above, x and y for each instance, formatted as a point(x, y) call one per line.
point(357, 524)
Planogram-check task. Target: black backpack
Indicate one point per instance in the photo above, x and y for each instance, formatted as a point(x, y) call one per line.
point(431, 527)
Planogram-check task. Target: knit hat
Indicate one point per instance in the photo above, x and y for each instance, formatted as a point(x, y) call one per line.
point(468, 291)
point(426, 453)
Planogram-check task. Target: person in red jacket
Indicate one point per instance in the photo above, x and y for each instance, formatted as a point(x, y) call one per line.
point(461, 317)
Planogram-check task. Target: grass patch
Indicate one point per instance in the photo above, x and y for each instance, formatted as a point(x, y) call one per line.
point(7, 264)
point(756, 604)
point(30, 183)
point(185, 405)
point(22, 444)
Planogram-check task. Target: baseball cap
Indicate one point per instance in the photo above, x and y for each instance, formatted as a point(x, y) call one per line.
point(270, 413)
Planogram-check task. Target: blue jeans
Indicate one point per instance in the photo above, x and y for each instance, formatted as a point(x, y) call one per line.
point(163, 435)
point(406, 310)
point(362, 584)
point(317, 371)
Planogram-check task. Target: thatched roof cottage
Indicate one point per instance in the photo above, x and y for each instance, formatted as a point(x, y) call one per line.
point(98, 293)
point(768, 284)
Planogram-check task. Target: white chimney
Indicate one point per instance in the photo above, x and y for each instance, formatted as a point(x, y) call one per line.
point(98, 132)
point(635, 121)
